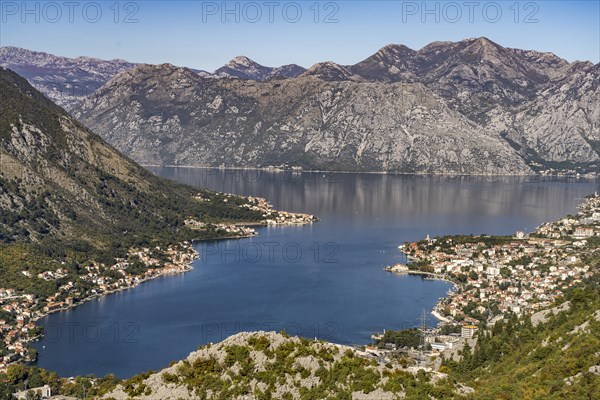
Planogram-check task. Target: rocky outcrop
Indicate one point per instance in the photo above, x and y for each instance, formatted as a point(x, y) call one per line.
point(271, 365)
point(541, 317)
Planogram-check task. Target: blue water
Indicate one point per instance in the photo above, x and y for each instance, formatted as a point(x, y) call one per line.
point(323, 280)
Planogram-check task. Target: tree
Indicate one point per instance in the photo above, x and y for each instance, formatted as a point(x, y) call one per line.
point(16, 373)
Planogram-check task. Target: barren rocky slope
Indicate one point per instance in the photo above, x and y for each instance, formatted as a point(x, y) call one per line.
point(62, 186)
point(268, 365)
point(561, 126)
point(168, 115)
point(471, 106)
point(64, 80)
point(452, 107)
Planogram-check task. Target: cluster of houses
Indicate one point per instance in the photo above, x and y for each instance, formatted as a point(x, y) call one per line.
point(495, 278)
point(275, 217)
point(16, 326)
point(50, 275)
point(229, 229)
point(582, 226)
point(237, 230)
point(20, 311)
point(452, 341)
point(288, 218)
point(517, 277)
point(259, 204)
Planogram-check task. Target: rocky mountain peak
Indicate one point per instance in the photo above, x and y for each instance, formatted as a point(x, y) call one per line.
point(436, 47)
point(242, 61)
point(331, 71)
point(287, 71)
point(157, 69)
point(477, 50)
point(148, 80)
point(481, 41)
point(243, 67)
point(394, 51)
point(391, 63)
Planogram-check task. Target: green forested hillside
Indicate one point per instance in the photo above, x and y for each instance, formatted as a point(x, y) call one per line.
point(558, 359)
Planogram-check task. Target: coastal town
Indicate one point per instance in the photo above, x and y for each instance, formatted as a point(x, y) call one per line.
point(19, 312)
point(496, 277)
point(275, 217)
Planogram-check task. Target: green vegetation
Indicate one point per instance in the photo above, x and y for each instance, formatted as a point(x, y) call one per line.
point(17, 376)
point(135, 386)
point(403, 338)
point(336, 375)
point(515, 360)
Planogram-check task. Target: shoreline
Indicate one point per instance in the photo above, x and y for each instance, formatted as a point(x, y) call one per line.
point(427, 276)
point(439, 316)
point(420, 174)
point(162, 274)
point(98, 296)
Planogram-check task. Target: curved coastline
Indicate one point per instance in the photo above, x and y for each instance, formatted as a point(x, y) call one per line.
point(400, 269)
point(163, 272)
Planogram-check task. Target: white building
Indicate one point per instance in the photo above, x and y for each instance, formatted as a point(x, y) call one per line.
point(438, 346)
point(468, 331)
point(583, 232)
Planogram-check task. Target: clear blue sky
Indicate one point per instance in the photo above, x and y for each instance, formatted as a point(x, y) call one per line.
point(205, 34)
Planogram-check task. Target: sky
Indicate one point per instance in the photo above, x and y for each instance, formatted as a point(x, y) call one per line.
point(207, 34)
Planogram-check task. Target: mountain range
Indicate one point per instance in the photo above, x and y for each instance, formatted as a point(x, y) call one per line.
point(472, 107)
point(66, 80)
point(169, 115)
point(244, 68)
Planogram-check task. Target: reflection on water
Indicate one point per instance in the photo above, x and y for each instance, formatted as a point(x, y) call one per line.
point(530, 200)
